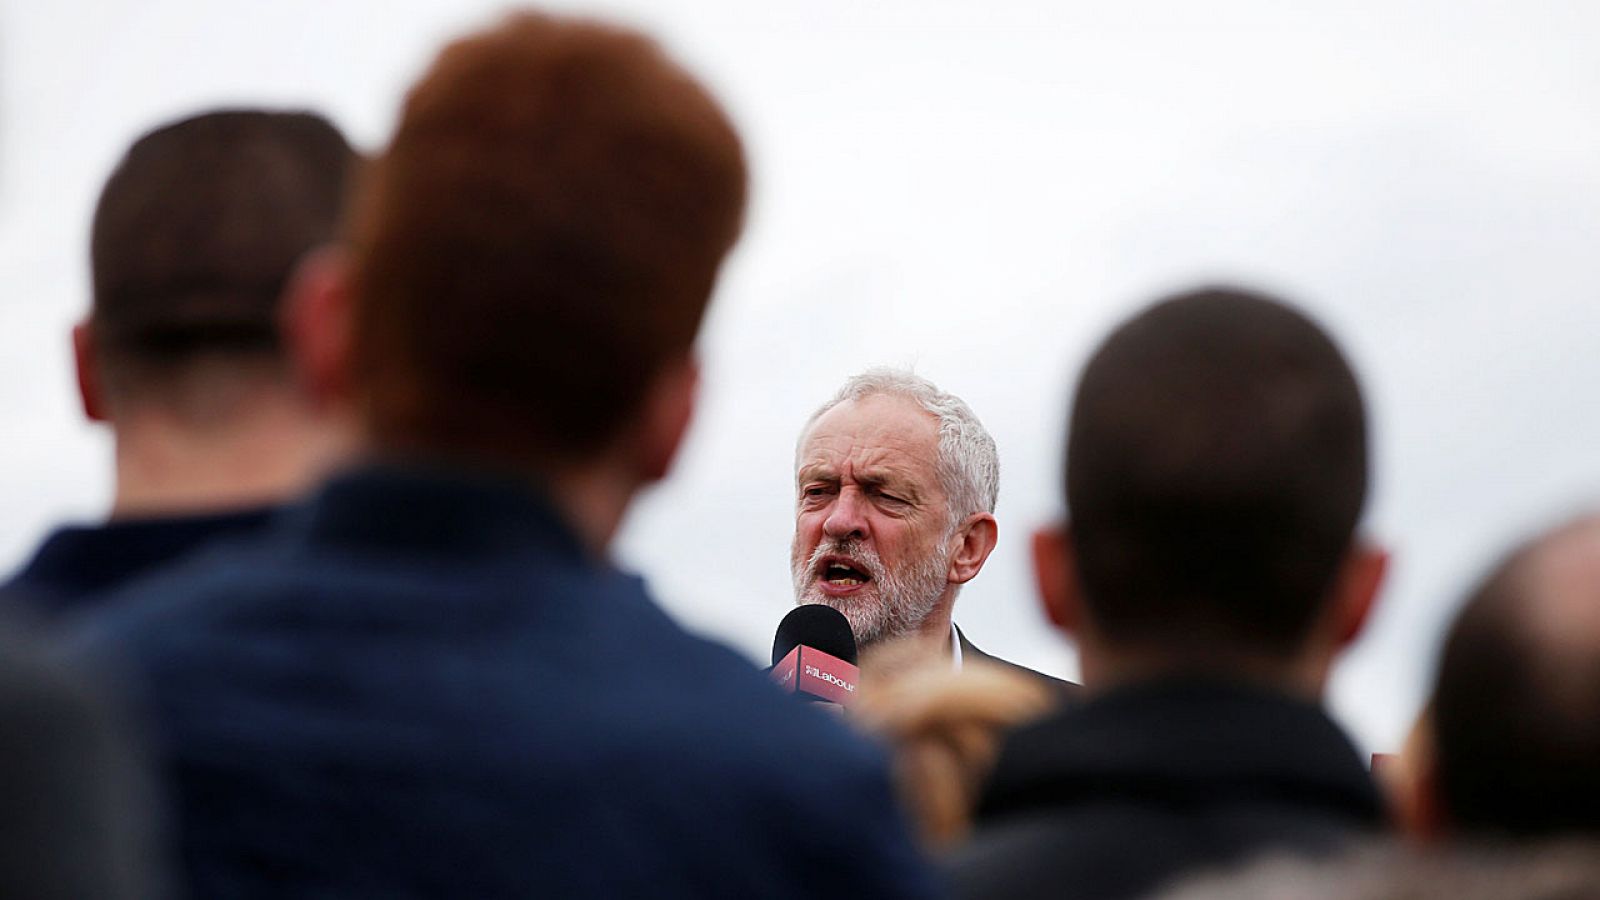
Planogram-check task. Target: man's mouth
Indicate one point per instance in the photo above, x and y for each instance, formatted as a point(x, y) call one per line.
point(844, 574)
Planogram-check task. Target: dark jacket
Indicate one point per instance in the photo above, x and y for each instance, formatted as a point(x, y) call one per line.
point(1119, 795)
point(419, 685)
point(74, 810)
point(79, 562)
point(1067, 689)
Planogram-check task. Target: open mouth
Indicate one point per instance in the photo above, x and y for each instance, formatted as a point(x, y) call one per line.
point(844, 574)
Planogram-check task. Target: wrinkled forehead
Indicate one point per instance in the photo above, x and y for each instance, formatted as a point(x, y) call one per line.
point(894, 435)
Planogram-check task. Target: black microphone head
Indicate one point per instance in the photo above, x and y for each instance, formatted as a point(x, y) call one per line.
point(818, 627)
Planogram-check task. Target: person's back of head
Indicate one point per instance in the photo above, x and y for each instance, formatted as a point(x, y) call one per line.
point(196, 235)
point(1216, 469)
point(195, 242)
point(1515, 715)
point(534, 252)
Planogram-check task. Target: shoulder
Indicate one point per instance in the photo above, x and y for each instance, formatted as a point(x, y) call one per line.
point(793, 791)
point(1066, 689)
point(170, 615)
point(1109, 851)
point(790, 800)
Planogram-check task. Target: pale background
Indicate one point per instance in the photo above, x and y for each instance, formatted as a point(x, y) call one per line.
point(978, 191)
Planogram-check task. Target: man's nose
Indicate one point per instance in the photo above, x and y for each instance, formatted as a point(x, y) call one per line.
point(845, 517)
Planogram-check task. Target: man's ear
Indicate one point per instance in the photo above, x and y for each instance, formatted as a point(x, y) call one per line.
point(668, 410)
point(1055, 572)
point(1360, 578)
point(86, 361)
point(316, 325)
point(977, 537)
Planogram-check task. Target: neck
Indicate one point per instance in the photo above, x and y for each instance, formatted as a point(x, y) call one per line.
point(268, 451)
point(927, 646)
point(1302, 675)
point(593, 499)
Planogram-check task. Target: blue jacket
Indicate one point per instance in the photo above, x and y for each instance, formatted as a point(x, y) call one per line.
point(78, 563)
point(419, 685)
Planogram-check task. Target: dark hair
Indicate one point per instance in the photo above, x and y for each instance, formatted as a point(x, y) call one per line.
point(1216, 469)
point(541, 237)
point(1516, 706)
point(198, 230)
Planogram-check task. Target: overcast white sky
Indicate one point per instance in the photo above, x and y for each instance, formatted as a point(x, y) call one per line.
point(978, 191)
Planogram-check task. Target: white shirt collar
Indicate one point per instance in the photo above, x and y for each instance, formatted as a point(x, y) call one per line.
point(955, 648)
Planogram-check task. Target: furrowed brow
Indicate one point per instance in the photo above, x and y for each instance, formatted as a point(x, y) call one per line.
point(891, 482)
point(816, 472)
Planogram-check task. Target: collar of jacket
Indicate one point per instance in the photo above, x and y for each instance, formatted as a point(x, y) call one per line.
point(80, 559)
point(1178, 742)
point(436, 511)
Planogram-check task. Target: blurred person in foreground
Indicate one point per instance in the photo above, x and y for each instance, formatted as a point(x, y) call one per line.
point(1216, 468)
point(1510, 745)
point(1556, 871)
point(429, 680)
point(944, 729)
point(895, 490)
point(75, 811)
point(195, 240)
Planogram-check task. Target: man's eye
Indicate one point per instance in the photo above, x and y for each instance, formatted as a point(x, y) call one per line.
point(814, 491)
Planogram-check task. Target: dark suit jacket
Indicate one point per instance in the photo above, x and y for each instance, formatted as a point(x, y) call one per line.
point(1119, 795)
point(420, 685)
point(1067, 689)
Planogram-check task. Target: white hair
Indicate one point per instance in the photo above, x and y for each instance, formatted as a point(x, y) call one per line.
point(968, 462)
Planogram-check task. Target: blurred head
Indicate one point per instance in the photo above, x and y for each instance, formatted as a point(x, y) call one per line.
point(195, 239)
point(1561, 871)
point(1216, 468)
point(896, 484)
point(1516, 706)
point(533, 253)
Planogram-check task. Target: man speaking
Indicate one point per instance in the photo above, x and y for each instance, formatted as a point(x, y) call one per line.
point(895, 489)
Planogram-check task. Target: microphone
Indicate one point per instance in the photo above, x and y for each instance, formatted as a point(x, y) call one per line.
point(814, 655)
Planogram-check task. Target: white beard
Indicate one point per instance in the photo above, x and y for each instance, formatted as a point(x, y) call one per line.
point(892, 605)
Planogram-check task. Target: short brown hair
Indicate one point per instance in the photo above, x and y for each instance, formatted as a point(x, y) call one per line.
point(540, 238)
point(1216, 470)
point(198, 229)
